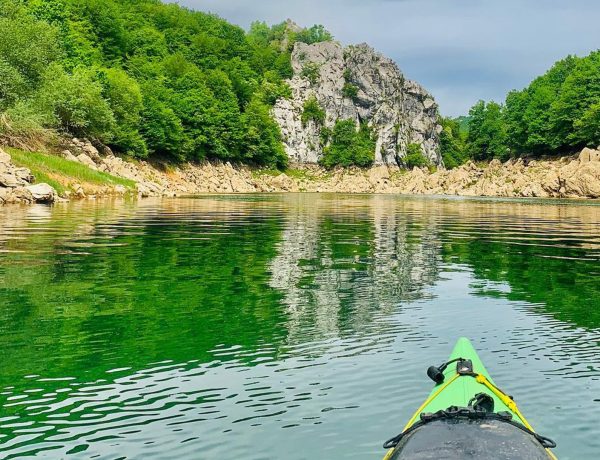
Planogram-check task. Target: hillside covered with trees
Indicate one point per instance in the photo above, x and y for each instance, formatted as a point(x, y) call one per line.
point(558, 113)
point(154, 79)
point(145, 78)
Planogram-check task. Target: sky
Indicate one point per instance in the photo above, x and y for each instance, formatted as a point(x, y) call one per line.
point(459, 50)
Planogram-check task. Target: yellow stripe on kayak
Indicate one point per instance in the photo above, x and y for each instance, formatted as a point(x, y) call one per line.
point(427, 401)
point(481, 379)
point(507, 400)
point(420, 409)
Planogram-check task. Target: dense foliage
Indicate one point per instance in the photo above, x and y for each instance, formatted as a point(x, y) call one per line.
point(487, 137)
point(312, 111)
point(145, 77)
point(414, 156)
point(349, 146)
point(453, 142)
point(558, 113)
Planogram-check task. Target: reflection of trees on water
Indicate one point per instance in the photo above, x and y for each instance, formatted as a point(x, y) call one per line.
point(233, 282)
point(140, 284)
point(341, 263)
point(94, 286)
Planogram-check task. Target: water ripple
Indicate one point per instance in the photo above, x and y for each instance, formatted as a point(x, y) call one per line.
point(293, 326)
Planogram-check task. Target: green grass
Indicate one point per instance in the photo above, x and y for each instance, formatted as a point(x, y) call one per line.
point(257, 173)
point(300, 174)
point(297, 174)
point(55, 171)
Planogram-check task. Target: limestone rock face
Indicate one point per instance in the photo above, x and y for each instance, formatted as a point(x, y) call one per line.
point(400, 111)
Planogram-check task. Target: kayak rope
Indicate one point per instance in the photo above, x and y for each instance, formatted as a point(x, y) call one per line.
point(507, 400)
point(483, 380)
point(428, 400)
point(511, 404)
point(470, 413)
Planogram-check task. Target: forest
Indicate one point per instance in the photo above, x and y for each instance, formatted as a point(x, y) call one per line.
point(557, 114)
point(144, 78)
point(154, 79)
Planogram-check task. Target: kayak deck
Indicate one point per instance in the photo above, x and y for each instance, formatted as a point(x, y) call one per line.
point(460, 391)
point(464, 377)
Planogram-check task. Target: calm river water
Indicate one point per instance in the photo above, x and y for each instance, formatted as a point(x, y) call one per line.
point(287, 326)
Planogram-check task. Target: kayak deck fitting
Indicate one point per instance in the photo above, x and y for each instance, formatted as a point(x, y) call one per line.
point(467, 416)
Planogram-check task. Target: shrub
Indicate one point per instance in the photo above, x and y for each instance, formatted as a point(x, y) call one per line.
point(350, 91)
point(325, 135)
point(414, 156)
point(350, 147)
point(75, 104)
point(315, 34)
point(311, 71)
point(313, 112)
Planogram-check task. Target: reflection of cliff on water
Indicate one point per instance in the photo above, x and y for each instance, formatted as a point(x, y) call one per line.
point(100, 286)
point(345, 260)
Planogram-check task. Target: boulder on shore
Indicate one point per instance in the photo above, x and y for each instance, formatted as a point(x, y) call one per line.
point(42, 193)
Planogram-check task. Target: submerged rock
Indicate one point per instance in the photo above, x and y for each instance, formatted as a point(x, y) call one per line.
point(359, 84)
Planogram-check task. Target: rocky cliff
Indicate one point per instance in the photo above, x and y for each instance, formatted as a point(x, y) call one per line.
point(360, 84)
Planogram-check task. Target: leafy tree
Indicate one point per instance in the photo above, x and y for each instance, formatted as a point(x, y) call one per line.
point(27, 48)
point(107, 23)
point(314, 34)
point(313, 112)
point(162, 129)
point(74, 103)
point(556, 114)
point(350, 146)
point(487, 136)
point(260, 34)
point(263, 141)
point(12, 85)
point(124, 97)
point(414, 157)
point(587, 127)
point(573, 111)
point(452, 143)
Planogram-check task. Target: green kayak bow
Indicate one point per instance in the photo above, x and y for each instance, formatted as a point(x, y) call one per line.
point(467, 416)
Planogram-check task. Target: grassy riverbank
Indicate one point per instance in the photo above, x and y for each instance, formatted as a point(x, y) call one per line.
point(62, 174)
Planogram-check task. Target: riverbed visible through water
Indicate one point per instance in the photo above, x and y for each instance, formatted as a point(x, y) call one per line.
point(287, 326)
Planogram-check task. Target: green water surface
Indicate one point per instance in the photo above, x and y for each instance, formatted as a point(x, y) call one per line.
point(287, 326)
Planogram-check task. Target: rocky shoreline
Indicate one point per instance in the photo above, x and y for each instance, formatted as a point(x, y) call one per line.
point(568, 177)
